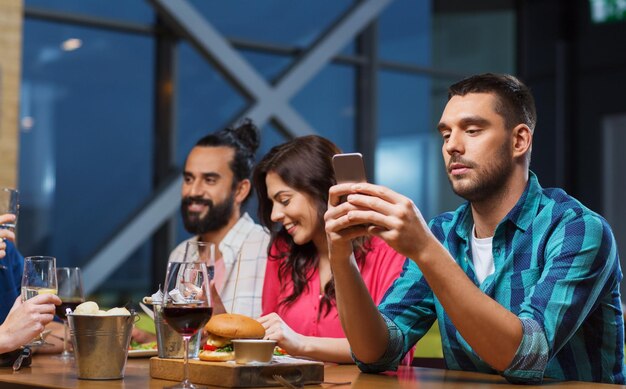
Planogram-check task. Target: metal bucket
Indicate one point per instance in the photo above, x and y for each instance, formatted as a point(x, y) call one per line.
point(169, 342)
point(101, 345)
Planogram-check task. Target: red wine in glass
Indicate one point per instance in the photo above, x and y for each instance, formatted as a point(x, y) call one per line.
point(186, 300)
point(67, 303)
point(70, 285)
point(187, 319)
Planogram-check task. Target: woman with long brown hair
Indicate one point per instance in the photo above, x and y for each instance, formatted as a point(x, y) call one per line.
point(299, 311)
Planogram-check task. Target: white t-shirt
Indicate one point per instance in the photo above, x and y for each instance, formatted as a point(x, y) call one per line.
point(482, 256)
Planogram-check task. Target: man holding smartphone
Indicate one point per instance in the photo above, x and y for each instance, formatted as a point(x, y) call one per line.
point(523, 280)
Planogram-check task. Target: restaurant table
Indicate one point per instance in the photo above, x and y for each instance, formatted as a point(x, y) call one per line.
point(48, 372)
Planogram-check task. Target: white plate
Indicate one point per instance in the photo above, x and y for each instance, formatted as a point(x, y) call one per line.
point(142, 353)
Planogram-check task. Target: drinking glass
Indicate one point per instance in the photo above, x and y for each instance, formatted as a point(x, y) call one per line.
point(187, 304)
point(8, 204)
point(39, 277)
point(71, 294)
point(203, 252)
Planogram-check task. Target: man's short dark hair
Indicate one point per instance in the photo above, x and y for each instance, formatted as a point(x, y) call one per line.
point(515, 101)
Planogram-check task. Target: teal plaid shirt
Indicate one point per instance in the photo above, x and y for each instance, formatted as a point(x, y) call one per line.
point(556, 268)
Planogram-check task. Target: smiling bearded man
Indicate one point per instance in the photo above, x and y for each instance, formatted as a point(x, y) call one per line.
point(216, 183)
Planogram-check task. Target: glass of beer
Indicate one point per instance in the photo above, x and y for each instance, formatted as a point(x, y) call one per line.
point(39, 277)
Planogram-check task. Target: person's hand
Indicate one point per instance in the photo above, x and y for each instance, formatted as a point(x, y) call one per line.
point(27, 320)
point(387, 214)
point(6, 234)
point(287, 339)
point(339, 231)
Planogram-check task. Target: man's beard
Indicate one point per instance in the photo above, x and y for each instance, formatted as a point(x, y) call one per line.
point(217, 216)
point(490, 180)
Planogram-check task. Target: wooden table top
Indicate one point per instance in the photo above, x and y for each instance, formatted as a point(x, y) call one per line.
point(48, 372)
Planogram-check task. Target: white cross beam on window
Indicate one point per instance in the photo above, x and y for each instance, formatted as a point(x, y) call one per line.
point(268, 102)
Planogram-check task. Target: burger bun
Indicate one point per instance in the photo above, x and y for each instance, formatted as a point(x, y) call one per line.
point(235, 326)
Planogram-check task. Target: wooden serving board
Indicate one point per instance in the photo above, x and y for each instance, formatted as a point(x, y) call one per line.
point(232, 375)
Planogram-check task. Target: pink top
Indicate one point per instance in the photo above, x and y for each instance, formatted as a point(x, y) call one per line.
point(220, 273)
point(381, 267)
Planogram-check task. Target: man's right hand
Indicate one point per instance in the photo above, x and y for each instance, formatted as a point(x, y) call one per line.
point(388, 215)
point(363, 324)
point(339, 231)
point(27, 320)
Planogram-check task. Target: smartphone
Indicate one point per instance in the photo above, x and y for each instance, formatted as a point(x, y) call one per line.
point(349, 168)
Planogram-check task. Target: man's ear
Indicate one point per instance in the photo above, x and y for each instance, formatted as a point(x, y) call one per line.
point(242, 190)
point(522, 138)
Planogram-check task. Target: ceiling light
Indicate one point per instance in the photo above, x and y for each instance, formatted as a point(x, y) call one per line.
point(27, 123)
point(71, 44)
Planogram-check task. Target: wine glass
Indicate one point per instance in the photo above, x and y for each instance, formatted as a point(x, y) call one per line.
point(39, 277)
point(187, 304)
point(8, 205)
point(203, 252)
point(71, 294)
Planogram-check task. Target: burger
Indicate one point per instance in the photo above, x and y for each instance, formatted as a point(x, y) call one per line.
point(222, 329)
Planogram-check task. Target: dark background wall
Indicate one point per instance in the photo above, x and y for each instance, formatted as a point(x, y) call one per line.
point(577, 71)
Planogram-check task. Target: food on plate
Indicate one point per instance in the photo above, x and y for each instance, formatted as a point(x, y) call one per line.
point(222, 329)
point(279, 351)
point(134, 345)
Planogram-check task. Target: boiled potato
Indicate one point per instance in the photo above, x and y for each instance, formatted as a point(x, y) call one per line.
point(118, 312)
point(87, 308)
